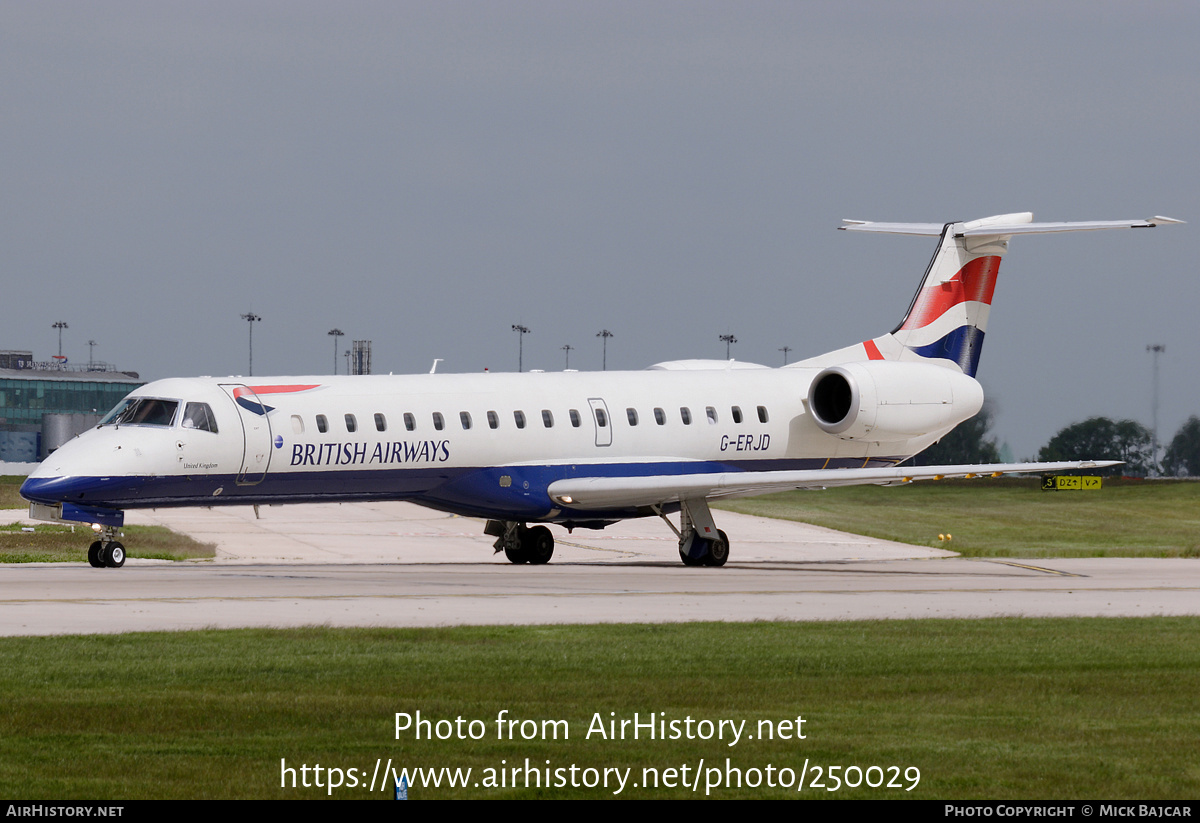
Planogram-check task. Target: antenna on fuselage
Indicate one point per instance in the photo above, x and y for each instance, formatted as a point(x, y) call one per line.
point(433, 368)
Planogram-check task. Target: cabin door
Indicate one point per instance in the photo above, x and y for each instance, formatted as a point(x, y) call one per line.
point(256, 433)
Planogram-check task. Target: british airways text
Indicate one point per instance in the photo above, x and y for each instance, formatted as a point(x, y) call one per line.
point(346, 454)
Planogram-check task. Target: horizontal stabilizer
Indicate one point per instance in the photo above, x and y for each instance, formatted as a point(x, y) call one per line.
point(624, 492)
point(921, 229)
point(999, 226)
point(1053, 228)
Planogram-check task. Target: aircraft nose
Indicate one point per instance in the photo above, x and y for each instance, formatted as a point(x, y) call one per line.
point(50, 489)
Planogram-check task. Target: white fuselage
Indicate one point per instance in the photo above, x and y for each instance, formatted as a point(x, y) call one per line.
point(479, 444)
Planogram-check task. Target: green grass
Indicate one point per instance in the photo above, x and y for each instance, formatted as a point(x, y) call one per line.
point(10, 492)
point(1007, 517)
point(1002, 709)
point(61, 544)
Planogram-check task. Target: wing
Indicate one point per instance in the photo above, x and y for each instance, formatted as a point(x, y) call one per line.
point(622, 492)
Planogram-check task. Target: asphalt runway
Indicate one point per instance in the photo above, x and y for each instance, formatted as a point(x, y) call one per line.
point(394, 564)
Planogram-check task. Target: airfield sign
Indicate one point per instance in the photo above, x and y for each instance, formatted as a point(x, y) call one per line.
point(1064, 483)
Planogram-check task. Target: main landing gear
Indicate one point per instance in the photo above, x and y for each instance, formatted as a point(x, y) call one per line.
point(106, 552)
point(701, 543)
point(521, 544)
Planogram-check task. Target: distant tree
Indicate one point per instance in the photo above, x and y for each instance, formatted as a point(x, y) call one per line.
point(1099, 438)
point(1183, 455)
point(967, 443)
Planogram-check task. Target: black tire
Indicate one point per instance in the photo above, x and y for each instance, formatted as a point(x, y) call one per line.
point(516, 554)
point(94, 555)
point(685, 552)
point(538, 544)
point(114, 555)
point(718, 550)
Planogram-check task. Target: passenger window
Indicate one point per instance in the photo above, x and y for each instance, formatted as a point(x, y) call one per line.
point(737, 414)
point(380, 422)
point(465, 419)
point(601, 418)
point(322, 424)
point(351, 423)
point(632, 415)
point(547, 418)
point(660, 417)
point(297, 424)
point(712, 415)
point(410, 422)
point(493, 420)
point(762, 414)
point(685, 414)
point(439, 422)
point(199, 416)
point(519, 419)
point(575, 419)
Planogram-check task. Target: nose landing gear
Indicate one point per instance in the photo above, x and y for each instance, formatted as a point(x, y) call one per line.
point(106, 552)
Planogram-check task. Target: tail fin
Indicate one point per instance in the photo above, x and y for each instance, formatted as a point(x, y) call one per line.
point(948, 315)
point(947, 318)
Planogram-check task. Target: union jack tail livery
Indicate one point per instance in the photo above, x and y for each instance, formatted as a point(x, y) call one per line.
point(948, 315)
point(947, 319)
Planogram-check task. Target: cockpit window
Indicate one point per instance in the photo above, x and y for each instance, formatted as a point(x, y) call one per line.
point(142, 411)
point(199, 416)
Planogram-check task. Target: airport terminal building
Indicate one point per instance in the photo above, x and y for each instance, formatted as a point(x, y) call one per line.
point(45, 404)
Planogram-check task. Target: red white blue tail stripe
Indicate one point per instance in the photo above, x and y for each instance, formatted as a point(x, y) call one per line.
point(948, 318)
point(947, 321)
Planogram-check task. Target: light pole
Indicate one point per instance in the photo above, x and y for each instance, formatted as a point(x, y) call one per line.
point(521, 332)
point(729, 341)
point(60, 325)
point(335, 333)
point(1155, 350)
point(91, 359)
point(567, 348)
point(604, 334)
point(251, 318)
point(785, 351)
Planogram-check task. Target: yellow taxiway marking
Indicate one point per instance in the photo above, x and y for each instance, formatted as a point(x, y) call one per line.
point(1042, 569)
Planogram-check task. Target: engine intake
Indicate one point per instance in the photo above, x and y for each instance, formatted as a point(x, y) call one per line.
point(888, 401)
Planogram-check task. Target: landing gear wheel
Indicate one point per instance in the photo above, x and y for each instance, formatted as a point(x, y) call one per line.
point(513, 538)
point(718, 550)
point(538, 545)
point(94, 555)
point(114, 555)
point(688, 551)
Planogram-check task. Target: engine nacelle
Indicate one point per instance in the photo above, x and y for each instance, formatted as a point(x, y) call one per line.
point(889, 401)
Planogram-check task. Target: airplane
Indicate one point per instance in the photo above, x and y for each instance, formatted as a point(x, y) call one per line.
point(580, 450)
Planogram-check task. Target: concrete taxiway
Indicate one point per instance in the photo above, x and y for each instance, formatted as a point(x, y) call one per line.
point(393, 564)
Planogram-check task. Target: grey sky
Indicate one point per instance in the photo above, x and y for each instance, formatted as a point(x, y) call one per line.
point(425, 175)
